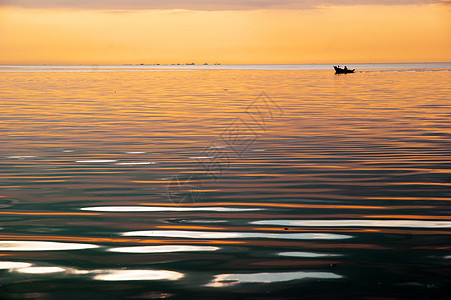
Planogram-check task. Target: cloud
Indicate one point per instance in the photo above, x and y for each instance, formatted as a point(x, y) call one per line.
point(207, 5)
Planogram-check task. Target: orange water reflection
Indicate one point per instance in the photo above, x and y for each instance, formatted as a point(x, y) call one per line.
point(356, 170)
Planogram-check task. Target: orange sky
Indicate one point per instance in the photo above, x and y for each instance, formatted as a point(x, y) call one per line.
point(344, 34)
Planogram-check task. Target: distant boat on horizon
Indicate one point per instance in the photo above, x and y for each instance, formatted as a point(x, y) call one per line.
point(344, 70)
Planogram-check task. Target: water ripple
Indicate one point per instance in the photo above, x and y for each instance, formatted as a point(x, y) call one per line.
point(125, 275)
point(236, 235)
point(225, 280)
point(42, 246)
point(357, 223)
point(167, 208)
point(345, 195)
point(163, 249)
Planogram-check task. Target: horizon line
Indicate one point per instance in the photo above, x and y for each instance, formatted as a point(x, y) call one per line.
point(225, 64)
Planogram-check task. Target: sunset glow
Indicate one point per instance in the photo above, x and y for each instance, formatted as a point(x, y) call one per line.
point(347, 33)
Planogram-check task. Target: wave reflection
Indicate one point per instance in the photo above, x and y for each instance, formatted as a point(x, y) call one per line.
point(42, 246)
point(40, 270)
point(225, 280)
point(163, 249)
point(121, 275)
point(235, 235)
point(136, 163)
point(169, 208)
point(307, 254)
point(97, 161)
point(357, 223)
point(13, 265)
point(99, 274)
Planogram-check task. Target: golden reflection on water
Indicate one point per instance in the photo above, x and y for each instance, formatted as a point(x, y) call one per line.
point(354, 168)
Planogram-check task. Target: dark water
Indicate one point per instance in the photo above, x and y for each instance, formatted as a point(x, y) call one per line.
point(225, 183)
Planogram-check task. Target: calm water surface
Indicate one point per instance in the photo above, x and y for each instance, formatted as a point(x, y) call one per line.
point(225, 182)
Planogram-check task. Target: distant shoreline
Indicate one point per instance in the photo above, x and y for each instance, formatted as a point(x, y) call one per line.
point(220, 64)
point(174, 67)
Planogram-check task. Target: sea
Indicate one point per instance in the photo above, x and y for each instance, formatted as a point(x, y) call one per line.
point(225, 182)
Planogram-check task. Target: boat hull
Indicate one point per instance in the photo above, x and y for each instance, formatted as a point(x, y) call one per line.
point(343, 71)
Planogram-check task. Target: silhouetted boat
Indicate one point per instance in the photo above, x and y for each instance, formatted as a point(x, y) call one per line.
point(344, 70)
